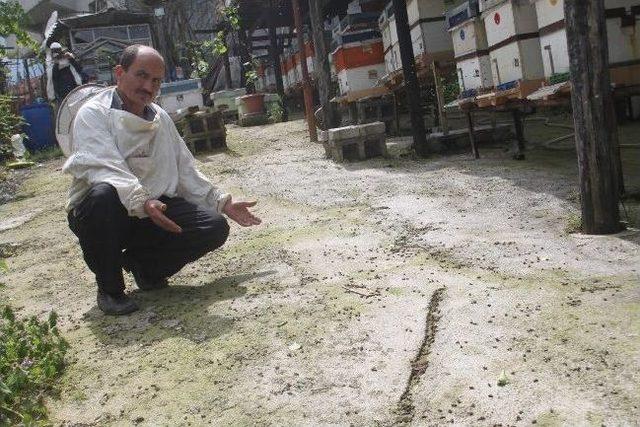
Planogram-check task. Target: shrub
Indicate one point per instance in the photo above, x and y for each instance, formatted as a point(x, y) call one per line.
point(31, 358)
point(9, 124)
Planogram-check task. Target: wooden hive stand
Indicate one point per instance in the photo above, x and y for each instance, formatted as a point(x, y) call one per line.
point(203, 130)
point(359, 142)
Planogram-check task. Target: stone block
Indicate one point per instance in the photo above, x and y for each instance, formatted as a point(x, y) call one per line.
point(347, 132)
point(375, 128)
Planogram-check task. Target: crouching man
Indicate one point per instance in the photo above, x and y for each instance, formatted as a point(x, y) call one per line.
point(137, 201)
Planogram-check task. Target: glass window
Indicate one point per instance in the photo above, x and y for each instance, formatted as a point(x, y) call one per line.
point(139, 32)
point(111, 32)
point(83, 36)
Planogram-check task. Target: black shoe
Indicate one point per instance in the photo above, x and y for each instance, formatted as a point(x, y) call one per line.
point(116, 304)
point(144, 282)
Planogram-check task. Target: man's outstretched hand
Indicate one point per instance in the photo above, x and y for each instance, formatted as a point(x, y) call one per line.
point(155, 209)
point(239, 212)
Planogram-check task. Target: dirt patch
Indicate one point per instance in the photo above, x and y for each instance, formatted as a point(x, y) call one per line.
point(269, 330)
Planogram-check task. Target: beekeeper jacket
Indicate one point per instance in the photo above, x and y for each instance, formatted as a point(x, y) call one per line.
point(142, 159)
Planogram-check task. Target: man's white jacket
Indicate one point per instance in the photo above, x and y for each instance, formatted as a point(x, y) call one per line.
point(141, 159)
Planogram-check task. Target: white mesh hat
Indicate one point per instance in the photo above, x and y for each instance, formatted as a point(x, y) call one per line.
point(67, 112)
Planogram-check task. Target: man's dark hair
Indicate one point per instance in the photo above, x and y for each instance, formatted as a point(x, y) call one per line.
point(129, 55)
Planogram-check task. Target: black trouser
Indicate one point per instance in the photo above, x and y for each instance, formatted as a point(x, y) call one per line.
point(110, 238)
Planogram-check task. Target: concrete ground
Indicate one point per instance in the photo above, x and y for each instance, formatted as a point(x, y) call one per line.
point(391, 291)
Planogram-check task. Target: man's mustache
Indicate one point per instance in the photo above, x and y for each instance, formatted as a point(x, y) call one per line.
point(144, 92)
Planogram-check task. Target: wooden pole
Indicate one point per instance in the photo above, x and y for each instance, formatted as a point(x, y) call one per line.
point(227, 71)
point(274, 52)
point(410, 78)
point(244, 52)
point(27, 76)
point(594, 116)
point(444, 123)
point(472, 135)
point(323, 71)
point(306, 80)
point(518, 143)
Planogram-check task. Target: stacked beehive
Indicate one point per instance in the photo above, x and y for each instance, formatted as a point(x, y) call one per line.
point(291, 64)
point(428, 33)
point(514, 43)
point(429, 36)
point(622, 32)
point(357, 48)
point(470, 48)
point(624, 41)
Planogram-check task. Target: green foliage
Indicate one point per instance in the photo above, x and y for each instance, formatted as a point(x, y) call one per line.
point(44, 155)
point(220, 43)
point(9, 125)
point(199, 55)
point(231, 15)
point(574, 224)
point(450, 87)
point(13, 21)
point(31, 358)
point(231, 22)
point(275, 112)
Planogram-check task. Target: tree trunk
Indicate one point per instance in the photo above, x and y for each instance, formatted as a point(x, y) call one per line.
point(274, 52)
point(306, 80)
point(410, 77)
point(594, 116)
point(323, 70)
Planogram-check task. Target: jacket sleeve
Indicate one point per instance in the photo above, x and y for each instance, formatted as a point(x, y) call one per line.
point(192, 184)
point(96, 159)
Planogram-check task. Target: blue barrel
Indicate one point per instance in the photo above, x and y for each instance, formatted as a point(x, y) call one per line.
point(39, 127)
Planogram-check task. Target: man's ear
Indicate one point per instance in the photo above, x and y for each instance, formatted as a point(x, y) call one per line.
point(119, 71)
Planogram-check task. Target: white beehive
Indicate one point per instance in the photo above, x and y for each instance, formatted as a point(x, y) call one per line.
point(359, 65)
point(388, 29)
point(622, 32)
point(623, 35)
point(470, 47)
point(428, 30)
point(514, 44)
point(553, 37)
point(428, 33)
point(284, 67)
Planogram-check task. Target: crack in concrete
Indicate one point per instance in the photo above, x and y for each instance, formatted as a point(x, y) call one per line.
point(405, 411)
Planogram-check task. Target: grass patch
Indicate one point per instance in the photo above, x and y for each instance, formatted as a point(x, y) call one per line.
point(44, 155)
point(574, 224)
point(31, 358)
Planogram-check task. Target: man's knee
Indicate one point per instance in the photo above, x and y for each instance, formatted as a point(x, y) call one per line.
point(218, 232)
point(101, 202)
point(102, 195)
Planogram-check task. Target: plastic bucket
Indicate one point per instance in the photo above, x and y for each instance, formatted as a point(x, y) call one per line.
point(38, 127)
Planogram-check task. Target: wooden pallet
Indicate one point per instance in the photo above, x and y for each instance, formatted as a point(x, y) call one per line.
point(522, 89)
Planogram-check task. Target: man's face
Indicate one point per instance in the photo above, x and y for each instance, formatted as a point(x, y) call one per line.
point(141, 82)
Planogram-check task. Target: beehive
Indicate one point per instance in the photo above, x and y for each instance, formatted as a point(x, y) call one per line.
point(357, 48)
point(429, 36)
point(514, 44)
point(623, 34)
point(470, 47)
point(359, 65)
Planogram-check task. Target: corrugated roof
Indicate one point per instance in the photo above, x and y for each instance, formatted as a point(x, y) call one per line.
point(107, 18)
